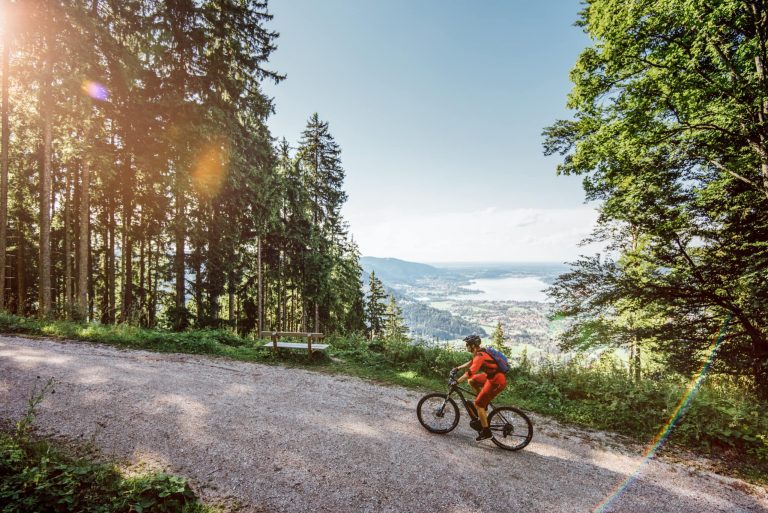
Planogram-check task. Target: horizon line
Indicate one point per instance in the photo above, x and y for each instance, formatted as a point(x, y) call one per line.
point(471, 262)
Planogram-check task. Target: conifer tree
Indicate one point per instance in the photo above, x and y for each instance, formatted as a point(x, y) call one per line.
point(375, 308)
point(140, 145)
point(497, 339)
point(394, 327)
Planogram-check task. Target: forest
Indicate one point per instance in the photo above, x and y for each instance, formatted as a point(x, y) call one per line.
point(141, 185)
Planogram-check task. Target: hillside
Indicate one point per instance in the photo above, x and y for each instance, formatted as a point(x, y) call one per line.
point(393, 270)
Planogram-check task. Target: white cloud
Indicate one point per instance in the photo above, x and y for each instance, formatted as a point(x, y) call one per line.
point(489, 235)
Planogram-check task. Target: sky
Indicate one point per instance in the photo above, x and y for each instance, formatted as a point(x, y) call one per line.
point(438, 106)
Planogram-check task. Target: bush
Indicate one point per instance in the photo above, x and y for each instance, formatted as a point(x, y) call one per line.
point(36, 476)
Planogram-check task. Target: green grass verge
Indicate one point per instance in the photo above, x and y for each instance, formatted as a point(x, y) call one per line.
point(724, 418)
point(38, 475)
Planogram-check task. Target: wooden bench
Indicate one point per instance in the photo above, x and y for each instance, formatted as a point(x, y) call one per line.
point(310, 345)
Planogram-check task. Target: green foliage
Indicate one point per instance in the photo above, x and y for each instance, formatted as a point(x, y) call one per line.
point(375, 308)
point(497, 339)
point(37, 476)
point(603, 395)
point(394, 326)
point(208, 341)
point(669, 134)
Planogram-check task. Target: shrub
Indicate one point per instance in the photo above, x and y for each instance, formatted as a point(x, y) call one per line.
point(36, 476)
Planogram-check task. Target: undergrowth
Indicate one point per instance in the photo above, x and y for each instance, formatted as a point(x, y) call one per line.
point(36, 475)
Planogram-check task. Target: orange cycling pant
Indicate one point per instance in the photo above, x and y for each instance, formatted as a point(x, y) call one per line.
point(489, 387)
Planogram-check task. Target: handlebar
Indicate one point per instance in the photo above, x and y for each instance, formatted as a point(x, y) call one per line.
point(452, 377)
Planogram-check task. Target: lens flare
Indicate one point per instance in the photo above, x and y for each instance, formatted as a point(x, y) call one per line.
point(210, 169)
point(95, 90)
point(665, 431)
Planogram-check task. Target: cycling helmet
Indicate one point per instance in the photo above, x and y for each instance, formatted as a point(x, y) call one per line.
point(472, 340)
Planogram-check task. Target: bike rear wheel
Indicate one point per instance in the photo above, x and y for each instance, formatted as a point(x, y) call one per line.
point(438, 413)
point(512, 429)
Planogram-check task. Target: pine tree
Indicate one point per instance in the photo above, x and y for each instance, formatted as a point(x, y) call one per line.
point(498, 339)
point(395, 328)
point(375, 309)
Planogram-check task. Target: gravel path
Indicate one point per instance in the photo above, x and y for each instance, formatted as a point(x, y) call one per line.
point(275, 439)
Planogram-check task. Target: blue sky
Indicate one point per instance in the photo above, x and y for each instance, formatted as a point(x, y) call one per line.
point(438, 106)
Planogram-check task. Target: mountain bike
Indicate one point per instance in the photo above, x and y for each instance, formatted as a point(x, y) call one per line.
point(438, 413)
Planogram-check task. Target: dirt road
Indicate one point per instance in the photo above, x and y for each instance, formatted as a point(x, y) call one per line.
point(276, 439)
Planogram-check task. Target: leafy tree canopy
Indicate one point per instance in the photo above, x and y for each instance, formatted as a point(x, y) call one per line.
point(670, 134)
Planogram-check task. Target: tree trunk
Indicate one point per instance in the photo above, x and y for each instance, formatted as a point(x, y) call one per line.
point(105, 268)
point(84, 240)
point(231, 305)
point(91, 273)
point(198, 285)
point(4, 160)
point(260, 313)
point(142, 269)
point(154, 277)
point(68, 245)
point(126, 311)
point(45, 191)
point(111, 285)
point(178, 261)
point(21, 285)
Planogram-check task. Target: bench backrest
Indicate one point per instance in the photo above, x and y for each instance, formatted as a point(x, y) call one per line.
point(278, 334)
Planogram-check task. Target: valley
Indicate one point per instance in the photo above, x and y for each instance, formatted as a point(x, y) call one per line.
point(442, 303)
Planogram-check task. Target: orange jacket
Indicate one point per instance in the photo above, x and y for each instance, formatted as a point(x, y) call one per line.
point(482, 360)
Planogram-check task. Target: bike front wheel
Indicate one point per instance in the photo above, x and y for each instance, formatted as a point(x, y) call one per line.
point(512, 429)
point(438, 413)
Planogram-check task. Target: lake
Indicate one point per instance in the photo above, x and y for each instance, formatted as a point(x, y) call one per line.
point(507, 289)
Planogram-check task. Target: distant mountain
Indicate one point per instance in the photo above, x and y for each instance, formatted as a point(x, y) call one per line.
point(393, 270)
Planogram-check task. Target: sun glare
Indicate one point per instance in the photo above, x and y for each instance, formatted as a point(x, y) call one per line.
point(95, 90)
point(210, 169)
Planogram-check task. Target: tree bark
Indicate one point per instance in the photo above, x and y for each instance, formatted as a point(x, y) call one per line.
point(68, 245)
point(21, 285)
point(142, 270)
point(260, 313)
point(111, 285)
point(231, 305)
point(105, 268)
point(45, 191)
point(178, 261)
point(126, 310)
point(84, 240)
point(154, 277)
point(4, 160)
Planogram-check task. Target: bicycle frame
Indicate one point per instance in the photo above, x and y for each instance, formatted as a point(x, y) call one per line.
point(468, 405)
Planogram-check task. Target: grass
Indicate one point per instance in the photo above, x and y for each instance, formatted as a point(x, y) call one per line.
point(723, 418)
point(38, 475)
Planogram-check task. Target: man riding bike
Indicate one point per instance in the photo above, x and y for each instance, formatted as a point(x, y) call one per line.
point(484, 377)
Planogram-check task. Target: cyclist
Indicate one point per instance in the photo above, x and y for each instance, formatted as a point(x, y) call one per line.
point(484, 377)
